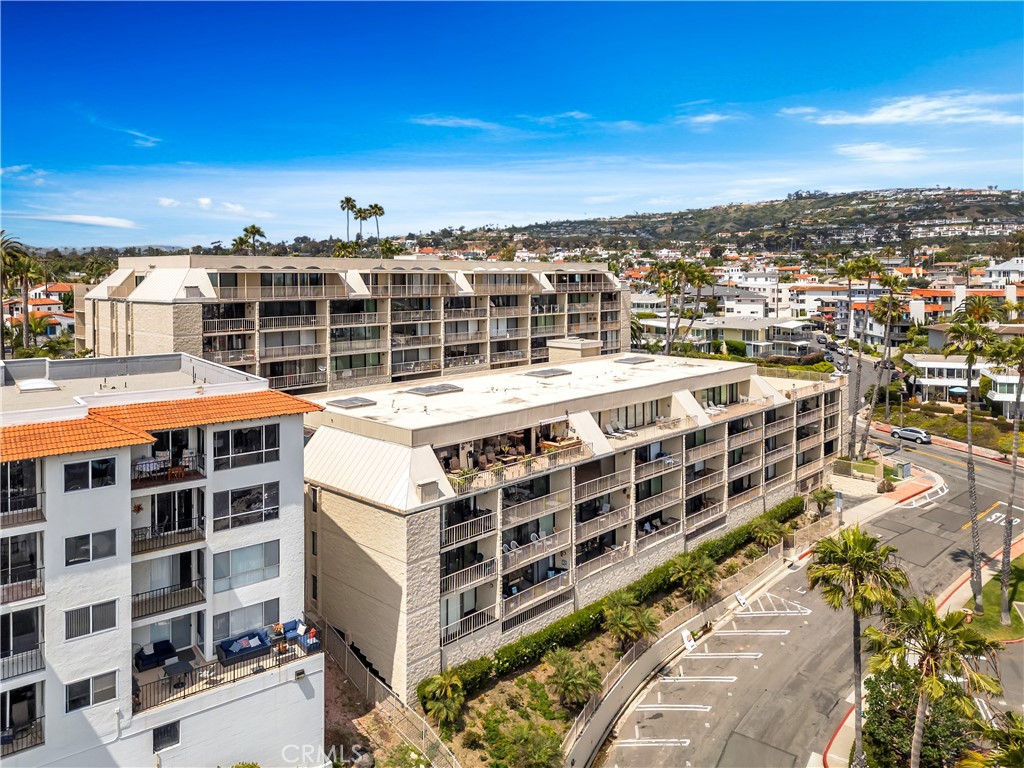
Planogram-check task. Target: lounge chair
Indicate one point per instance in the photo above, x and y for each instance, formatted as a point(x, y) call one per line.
point(609, 429)
point(622, 430)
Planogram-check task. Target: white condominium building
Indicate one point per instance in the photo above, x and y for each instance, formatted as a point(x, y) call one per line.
point(152, 540)
point(454, 517)
point(316, 324)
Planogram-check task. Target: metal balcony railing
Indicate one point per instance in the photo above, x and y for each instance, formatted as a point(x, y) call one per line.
point(229, 325)
point(21, 508)
point(292, 350)
point(583, 327)
point(517, 311)
point(595, 564)
point(416, 316)
point(417, 366)
point(468, 529)
point(359, 318)
point(659, 501)
point(548, 330)
point(357, 346)
point(292, 321)
point(532, 594)
point(22, 662)
point(509, 333)
point(468, 625)
point(228, 356)
point(156, 537)
point(168, 598)
point(465, 337)
point(21, 582)
point(471, 482)
point(705, 451)
point(509, 356)
point(646, 540)
point(602, 485)
point(292, 380)
point(401, 341)
point(546, 309)
point(488, 287)
point(517, 514)
point(465, 361)
point(533, 550)
point(705, 482)
point(347, 375)
point(467, 577)
point(658, 466)
point(150, 471)
point(583, 306)
point(23, 737)
point(706, 515)
point(465, 313)
point(602, 523)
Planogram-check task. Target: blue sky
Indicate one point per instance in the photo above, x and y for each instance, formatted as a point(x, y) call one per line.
point(181, 123)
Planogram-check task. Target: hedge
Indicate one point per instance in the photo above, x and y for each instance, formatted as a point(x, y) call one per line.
point(576, 627)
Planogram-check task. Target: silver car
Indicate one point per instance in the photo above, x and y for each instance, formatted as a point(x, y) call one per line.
point(915, 434)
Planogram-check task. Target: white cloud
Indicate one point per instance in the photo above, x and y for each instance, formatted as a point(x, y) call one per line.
point(456, 122)
point(625, 126)
point(13, 170)
point(562, 117)
point(34, 176)
point(141, 139)
point(788, 111)
point(878, 152)
point(704, 122)
point(232, 207)
point(695, 103)
point(81, 218)
point(947, 108)
point(204, 202)
point(168, 202)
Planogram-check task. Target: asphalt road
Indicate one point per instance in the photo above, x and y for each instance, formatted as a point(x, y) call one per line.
point(785, 681)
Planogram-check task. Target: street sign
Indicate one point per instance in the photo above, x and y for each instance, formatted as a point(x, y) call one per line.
point(688, 640)
point(740, 599)
point(839, 501)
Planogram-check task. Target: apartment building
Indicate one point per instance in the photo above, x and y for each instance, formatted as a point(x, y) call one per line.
point(152, 521)
point(763, 336)
point(452, 518)
point(317, 324)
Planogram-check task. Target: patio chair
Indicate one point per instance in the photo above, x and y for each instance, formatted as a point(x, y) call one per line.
point(622, 430)
point(609, 430)
point(534, 538)
point(505, 549)
point(605, 508)
point(513, 545)
point(453, 464)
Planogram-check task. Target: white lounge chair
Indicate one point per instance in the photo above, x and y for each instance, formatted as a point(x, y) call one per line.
point(622, 430)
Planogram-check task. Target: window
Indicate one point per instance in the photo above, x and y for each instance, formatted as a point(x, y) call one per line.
point(82, 475)
point(241, 620)
point(91, 618)
point(312, 543)
point(246, 446)
point(247, 565)
point(92, 690)
point(88, 547)
point(244, 506)
point(17, 485)
point(165, 736)
point(312, 588)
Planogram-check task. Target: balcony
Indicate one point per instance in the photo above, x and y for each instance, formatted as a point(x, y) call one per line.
point(583, 306)
point(517, 514)
point(230, 325)
point(547, 330)
point(742, 498)
point(811, 441)
point(778, 482)
point(810, 416)
point(603, 522)
point(415, 289)
point(746, 438)
point(293, 350)
point(806, 470)
point(699, 452)
point(22, 662)
point(349, 376)
point(358, 346)
point(465, 313)
point(148, 471)
point(779, 426)
point(465, 337)
point(468, 625)
point(253, 292)
point(293, 380)
point(468, 577)
point(584, 327)
point(292, 321)
point(546, 309)
point(778, 454)
point(670, 529)
point(516, 311)
point(399, 341)
point(513, 355)
point(831, 408)
point(528, 466)
point(509, 333)
point(831, 432)
point(230, 356)
point(744, 467)
point(659, 501)
point(522, 554)
point(21, 509)
point(152, 538)
point(167, 599)
point(658, 466)
point(540, 355)
point(602, 485)
point(359, 318)
point(417, 366)
point(21, 583)
point(582, 287)
point(416, 316)
point(487, 287)
point(697, 519)
point(523, 598)
point(468, 529)
point(704, 482)
point(599, 563)
point(465, 362)
point(22, 737)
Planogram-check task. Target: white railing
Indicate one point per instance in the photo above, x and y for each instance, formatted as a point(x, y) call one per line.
point(645, 540)
point(616, 555)
point(546, 309)
point(517, 311)
point(471, 482)
point(399, 340)
point(808, 469)
point(230, 355)
point(809, 442)
point(661, 429)
point(359, 318)
point(417, 366)
point(658, 466)
point(464, 313)
point(533, 550)
point(743, 498)
point(291, 350)
point(504, 357)
point(282, 291)
point(354, 374)
point(468, 576)
point(782, 452)
point(416, 316)
point(358, 345)
point(231, 325)
point(583, 306)
point(780, 425)
point(746, 437)
point(465, 361)
point(517, 514)
point(465, 337)
point(468, 529)
point(548, 330)
point(584, 327)
point(699, 452)
point(602, 485)
point(831, 408)
point(778, 482)
point(744, 467)
point(509, 333)
point(292, 321)
point(602, 523)
point(468, 624)
point(522, 599)
point(701, 484)
point(499, 288)
point(808, 417)
point(706, 515)
point(297, 380)
point(653, 503)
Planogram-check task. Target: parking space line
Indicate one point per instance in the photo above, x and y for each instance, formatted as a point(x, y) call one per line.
point(739, 632)
point(715, 655)
point(653, 743)
point(673, 708)
point(698, 679)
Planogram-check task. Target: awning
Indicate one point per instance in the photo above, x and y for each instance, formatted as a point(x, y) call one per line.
point(957, 390)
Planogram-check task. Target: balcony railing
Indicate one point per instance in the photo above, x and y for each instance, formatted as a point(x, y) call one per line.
point(292, 380)
point(359, 318)
point(831, 408)
point(533, 550)
point(511, 355)
point(532, 594)
point(418, 366)
point(662, 428)
point(228, 356)
point(467, 577)
point(471, 482)
point(742, 498)
point(517, 514)
point(777, 454)
point(546, 309)
point(746, 438)
point(516, 311)
point(416, 316)
point(744, 467)
point(705, 482)
point(283, 292)
point(602, 485)
point(595, 564)
point(704, 451)
point(831, 432)
point(465, 337)
point(465, 313)
point(22, 737)
point(156, 537)
point(465, 361)
point(230, 325)
point(602, 523)
point(487, 287)
point(21, 583)
point(548, 330)
point(778, 482)
point(399, 341)
point(358, 345)
point(706, 515)
point(659, 501)
point(149, 471)
point(658, 466)
point(809, 442)
point(21, 509)
point(582, 287)
point(583, 306)
point(468, 529)
point(22, 662)
point(509, 333)
point(168, 598)
point(584, 327)
point(806, 470)
point(347, 375)
point(415, 289)
point(292, 321)
point(540, 355)
point(468, 625)
point(292, 350)
point(808, 417)
point(780, 425)
point(646, 540)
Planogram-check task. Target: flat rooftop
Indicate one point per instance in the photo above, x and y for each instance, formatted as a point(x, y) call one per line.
point(37, 383)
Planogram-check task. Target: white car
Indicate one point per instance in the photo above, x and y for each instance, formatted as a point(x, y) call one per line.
point(915, 434)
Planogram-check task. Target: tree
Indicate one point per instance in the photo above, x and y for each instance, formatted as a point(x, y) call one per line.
point(239, 244)
point(361, 215)
point(766, 532)
point(625, 620)
point(1006, 735)
point(943, 648)
point(822, 498)
point(531, 746)
point(344, 249)
point(1009, 356)
point(24, 269)
point(697, 574)
point(389, 249)
point(348, 205)
point(850, 269)
point(11, 254)
point(884, 310)
point(574, 681)
point(376, 211)
point(253, 234)
point(869, 266)
point(443, 698)
point(699, 278)
point(966, 336)
point(981, 308)
point(636, 331)
point(854, 570)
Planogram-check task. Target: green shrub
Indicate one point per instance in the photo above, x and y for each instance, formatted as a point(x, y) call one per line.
point(472, 740)
point(736, 347)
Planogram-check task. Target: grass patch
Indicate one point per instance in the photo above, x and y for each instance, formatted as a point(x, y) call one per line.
point(988, 624)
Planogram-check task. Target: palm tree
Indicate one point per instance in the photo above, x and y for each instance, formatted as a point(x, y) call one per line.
point(620, 623)
point(942, 648)
point(766, 532)
point(443, 698)
point(96, 269)
point(966, 336)
point(348, 205)
point(11, 252)
point(822, 498)
point(981, 308)
point(850, 269)
point(883, 311)
point(854, 570)
point(343, 250)
point(573, 682)
point(1006, 735)
point(389, 249)
point(699, 278)
point(24, 269)
point(869, 265)
point(636, 332)
point(239, 244)
point(253, 233)
point(1009, 356)
point(668, 287)
point(376, 211)
point(361, 215)
point(697, 574)
point(534, 747)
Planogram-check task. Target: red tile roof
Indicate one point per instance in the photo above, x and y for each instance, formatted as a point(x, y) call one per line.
point(92, 433)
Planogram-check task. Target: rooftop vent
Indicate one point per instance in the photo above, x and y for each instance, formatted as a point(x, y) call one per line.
point(434, 389)
point(635, 360)
point(351, 402)
point(548, 373)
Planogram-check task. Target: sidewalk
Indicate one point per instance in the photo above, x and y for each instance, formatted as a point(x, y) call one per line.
point(952, 598)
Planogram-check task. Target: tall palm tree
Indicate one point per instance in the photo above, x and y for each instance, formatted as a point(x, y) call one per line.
point(850, 269)
point(699, 278)
point(883, 311)
point(667, 285)
point(444, 696)
point(941, 648)
point(26, 271)
point(253, 233)
point(361, 215)
point(376, 211)
point(869, 266)
point(1009, 356)
point(984, 309)
point(11, 251)
point(239, 244)
point(854, 570)
point(96, 269)
point(966, 336)
point(348, 205)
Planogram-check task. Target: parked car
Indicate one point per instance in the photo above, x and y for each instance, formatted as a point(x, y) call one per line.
point(828, 357)
point(822, 339)
point(885, 364)
point(831, 345)
point(916, 434)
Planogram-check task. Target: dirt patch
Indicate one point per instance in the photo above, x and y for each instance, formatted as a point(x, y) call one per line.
point(348, 720)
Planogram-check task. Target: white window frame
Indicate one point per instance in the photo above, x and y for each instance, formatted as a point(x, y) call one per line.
point(92, 692)
point(92, 620)
point(89, 463)
point(92, 548)
point(236, 519)
point(264, 572)
point(233, 458)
